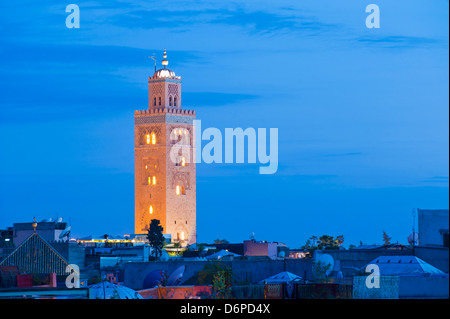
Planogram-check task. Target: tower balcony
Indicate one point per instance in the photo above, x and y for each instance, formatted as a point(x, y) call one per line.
point(164, 110)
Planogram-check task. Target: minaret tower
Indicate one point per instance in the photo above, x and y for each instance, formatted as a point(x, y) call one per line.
point(165, 180)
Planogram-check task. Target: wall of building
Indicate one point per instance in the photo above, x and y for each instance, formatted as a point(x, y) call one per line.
point(262, 269)
point(431, 223)
point(49, 231)
point(257, 270)
point(411, 287)
point(252, 248)
point(435, 256)
point(402, 287)
point(389, 288)
point(176, 292)
point(72, 252)
point(135, 272)
point(351, 260)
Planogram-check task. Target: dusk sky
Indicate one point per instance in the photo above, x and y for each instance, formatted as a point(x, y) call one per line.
point(362, 114)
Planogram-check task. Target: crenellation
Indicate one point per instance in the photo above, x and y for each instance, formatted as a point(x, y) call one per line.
point(149, 112)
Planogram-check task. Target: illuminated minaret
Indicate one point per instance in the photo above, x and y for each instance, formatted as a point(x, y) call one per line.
point(165, 182)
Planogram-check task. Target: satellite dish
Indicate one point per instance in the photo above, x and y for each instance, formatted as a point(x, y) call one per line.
point(414, 237)
point(59, 220)
point(164, 256)
point(65, 232)
point(326, 259)
point(281, 254)
point(176, 276)
point(153, 279)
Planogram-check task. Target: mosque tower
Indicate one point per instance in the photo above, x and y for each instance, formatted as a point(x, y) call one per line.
point(165, 180)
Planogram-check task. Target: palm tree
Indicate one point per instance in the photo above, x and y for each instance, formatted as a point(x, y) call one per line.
point(326, 241)
point(340, 240)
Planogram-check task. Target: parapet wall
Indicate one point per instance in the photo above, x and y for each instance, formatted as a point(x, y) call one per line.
point(135, 272)
point(164, 110)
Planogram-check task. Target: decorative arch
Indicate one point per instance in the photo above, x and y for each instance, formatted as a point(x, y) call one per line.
point(146, 132)
point(181, 179)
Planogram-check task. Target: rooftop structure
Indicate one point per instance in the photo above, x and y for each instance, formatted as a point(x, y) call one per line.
point(405, 266)
point(433, 227)
point(35, 255)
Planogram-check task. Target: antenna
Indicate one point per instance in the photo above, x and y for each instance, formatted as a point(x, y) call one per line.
point(153, 57)
point(413, 230)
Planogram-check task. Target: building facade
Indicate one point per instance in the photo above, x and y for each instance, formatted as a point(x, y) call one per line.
point(165, 177)
point(49, 230)
point(433, 227)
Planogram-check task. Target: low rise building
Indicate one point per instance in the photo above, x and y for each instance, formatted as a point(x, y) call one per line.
point(264, 248)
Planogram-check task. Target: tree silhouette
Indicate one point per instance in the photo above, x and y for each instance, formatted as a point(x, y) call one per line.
point(386, 239)
point(177, 245)
point(313, 240)
point(307, 245)
point(327, 242)
point(320, 269)
point(221, 241)
point(155, 238)
point(339, 240)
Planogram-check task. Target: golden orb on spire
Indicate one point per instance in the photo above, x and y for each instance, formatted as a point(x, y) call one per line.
point(34, 224)
point(164, 61)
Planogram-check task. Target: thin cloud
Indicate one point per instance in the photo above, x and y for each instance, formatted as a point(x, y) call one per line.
point(254, 22)
point(399, 41)
point(106, 57)
point(343, 154)
point(215, 98)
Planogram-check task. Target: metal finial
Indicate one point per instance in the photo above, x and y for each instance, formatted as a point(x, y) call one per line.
point(34, 224)
point(164, 61)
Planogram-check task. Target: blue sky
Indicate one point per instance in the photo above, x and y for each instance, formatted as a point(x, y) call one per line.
point(362, 113)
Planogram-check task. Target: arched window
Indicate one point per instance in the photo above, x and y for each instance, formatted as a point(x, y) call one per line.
point(154, 101)
point(179, 190)
point(150, 209)
point(170, 101)
point(152, 180)
point(159, 99)
point(150, 138)
point(174, 101)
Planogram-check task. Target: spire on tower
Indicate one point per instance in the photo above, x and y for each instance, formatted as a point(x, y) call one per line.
point(34, 224)
point(164, 61)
